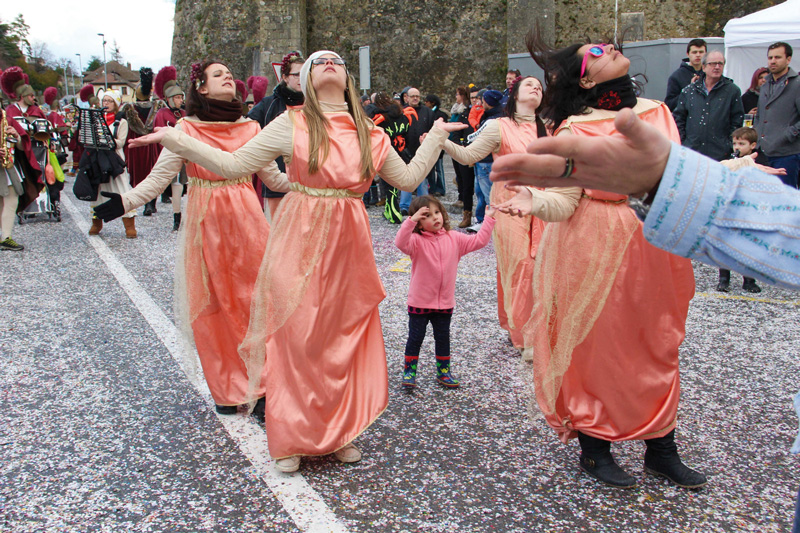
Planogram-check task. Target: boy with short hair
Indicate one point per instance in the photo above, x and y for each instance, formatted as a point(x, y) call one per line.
point(744, 143)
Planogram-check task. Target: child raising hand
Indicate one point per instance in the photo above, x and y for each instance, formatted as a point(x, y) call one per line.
point(435, 251)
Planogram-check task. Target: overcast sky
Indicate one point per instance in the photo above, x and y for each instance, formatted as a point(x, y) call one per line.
point(142, 29)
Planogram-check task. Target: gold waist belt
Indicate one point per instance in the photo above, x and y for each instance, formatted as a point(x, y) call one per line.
point(584, 195)
point(327, 193)
point(197, 182)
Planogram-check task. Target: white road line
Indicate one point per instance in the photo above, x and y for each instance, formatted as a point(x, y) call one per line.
point(301, 501)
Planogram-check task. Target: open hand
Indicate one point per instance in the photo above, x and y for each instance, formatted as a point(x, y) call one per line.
point(449, 126)
point(420, 213)
point(630, 164)
point(518, 205)
point(156, 137)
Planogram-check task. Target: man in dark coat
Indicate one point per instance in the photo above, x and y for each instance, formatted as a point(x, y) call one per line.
point(709, 110)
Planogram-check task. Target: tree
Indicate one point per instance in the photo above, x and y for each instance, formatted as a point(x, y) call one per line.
point(94, 64)
point(40, 56)
point(116, 54)
point(9, 49)
point(20, 31)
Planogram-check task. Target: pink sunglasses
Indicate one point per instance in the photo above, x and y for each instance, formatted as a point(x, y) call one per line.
point(596, 50)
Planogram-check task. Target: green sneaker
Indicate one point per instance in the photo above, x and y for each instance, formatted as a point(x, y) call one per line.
point(11, 244)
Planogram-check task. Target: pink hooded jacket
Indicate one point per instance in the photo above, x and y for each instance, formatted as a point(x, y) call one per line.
point(434, 261)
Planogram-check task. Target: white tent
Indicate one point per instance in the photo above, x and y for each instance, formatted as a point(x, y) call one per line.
point(747, 39)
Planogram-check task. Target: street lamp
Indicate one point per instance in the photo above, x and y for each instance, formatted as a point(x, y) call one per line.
point(80, 68)
point(105, 71)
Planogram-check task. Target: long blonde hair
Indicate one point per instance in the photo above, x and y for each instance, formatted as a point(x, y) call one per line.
point(318, 134)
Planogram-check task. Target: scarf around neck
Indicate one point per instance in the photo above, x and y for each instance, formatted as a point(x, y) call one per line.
point(289, 97)
point(615, 94)
point(221, 111)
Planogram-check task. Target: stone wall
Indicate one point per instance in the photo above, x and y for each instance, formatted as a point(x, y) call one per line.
point(435, 46)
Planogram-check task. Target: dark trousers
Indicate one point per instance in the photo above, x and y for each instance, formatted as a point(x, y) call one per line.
point(418, 323)
point(792, 165)
point(465, 179)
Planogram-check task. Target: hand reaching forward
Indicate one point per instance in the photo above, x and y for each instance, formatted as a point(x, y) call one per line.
point(449, 126)
point(518, 205)
point(111, 209)
point(632, 164)
point(156, 137)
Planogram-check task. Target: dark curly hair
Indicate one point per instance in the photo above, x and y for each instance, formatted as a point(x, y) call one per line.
point(564, 95)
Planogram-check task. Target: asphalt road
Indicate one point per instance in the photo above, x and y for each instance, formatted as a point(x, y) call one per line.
point(101, 430)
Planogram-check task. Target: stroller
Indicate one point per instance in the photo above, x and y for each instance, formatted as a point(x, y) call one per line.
point(48, 202)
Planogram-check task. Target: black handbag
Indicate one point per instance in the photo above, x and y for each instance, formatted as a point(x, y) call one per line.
point(83, 188)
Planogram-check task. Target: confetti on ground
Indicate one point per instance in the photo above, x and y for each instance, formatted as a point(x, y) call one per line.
point(101, 431)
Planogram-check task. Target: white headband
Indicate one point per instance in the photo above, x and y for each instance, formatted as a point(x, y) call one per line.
point(307, 67)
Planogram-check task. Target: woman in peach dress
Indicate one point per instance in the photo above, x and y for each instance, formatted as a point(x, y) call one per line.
point(222, 240)
point(515, 238)
point(314, 322)
point(610, 308)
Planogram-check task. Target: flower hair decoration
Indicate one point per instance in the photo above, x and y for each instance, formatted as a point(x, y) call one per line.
point(196, 75)
point(285, 62)
point(516, 82)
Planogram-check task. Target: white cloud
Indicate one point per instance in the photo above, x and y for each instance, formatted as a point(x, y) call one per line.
point(143, 28)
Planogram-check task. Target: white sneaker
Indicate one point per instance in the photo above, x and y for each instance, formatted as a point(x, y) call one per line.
point(348, 454)
point(288, 464)
point(475, 228)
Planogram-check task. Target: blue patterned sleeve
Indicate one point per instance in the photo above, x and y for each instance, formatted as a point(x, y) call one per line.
point(746, 221)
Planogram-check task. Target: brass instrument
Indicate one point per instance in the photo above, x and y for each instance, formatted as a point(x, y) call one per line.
point(8, 143)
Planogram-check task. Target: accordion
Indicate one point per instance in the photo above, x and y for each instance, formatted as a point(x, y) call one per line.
point(94, 132)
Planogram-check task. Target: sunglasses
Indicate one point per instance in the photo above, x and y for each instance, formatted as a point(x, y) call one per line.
point(323, 60)
point(596, 50)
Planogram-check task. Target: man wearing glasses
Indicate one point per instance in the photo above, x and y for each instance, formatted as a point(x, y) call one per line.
point(411, 97)
point(709, 109)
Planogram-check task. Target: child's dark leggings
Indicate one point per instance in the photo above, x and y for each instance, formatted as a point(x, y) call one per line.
point(417, 323)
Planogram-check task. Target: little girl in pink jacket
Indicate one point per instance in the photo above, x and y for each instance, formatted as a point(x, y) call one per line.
point(435, 251)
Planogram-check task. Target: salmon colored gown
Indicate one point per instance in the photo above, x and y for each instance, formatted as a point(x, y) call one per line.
point(325, 362)
point(515, 242)
point(225, 239)
point(610, 313)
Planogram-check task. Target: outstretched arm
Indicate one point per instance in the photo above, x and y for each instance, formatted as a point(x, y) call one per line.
point(406, 177)
point(272, 142)
point(488, 141)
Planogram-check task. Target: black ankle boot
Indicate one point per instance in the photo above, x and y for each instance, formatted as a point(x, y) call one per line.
point(597, 461)
point(176, 221)
point(226, 409)
point(749, 285)
point(724, 284)
point(662, 459)
point(260, 409)
point(148, 209)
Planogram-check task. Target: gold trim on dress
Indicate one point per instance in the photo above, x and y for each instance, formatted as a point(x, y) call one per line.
point(212, 184)
point(327, 193)
point(584, 195)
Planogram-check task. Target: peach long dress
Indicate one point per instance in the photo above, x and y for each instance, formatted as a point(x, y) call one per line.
point(222, 242)
point(515, 242)
point(610, 312)
point(515, 238)
point(314, 324)
point(225, 239)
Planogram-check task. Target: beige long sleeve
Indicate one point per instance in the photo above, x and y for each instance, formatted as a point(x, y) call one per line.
point(165, 169)
point(488, 141)
point(169, 164)
point(555, 203)
point(406, 177)
point(272, 142)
